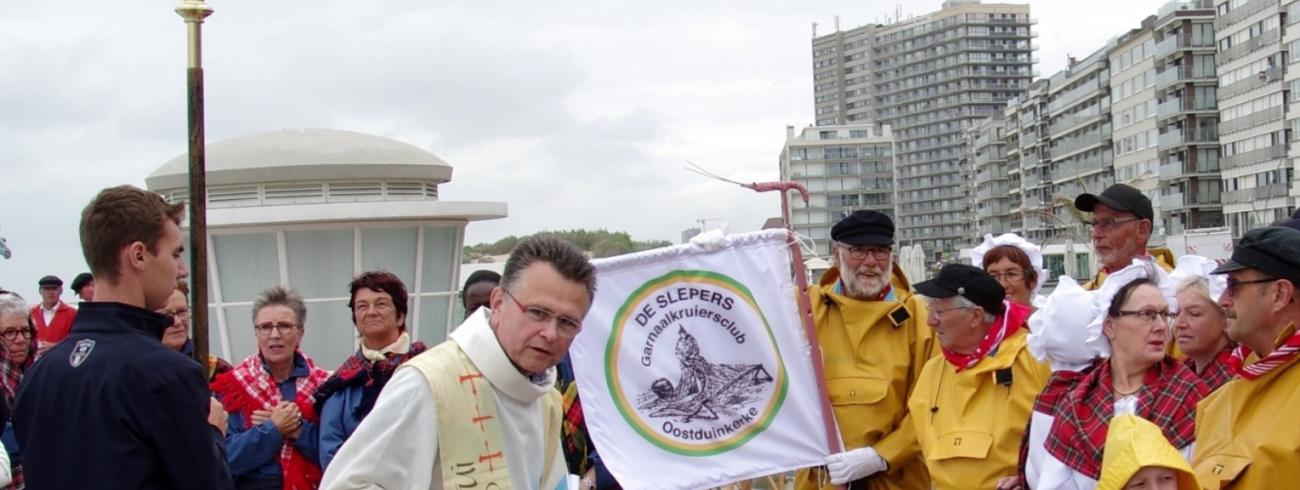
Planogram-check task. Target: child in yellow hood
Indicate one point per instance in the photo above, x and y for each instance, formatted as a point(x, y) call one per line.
point(1138, 456)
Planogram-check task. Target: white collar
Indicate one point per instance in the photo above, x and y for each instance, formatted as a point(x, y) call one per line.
point(476, 338)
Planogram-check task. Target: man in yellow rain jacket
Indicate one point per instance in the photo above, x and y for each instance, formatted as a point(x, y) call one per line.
point(1121, 227)
point(871, 330)
point(1244, 435)
point(970, 406)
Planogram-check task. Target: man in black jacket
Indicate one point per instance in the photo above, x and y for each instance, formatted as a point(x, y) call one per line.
point(110, 406)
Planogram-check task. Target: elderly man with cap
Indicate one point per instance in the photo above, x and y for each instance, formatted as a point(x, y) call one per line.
point(970, 407)
point(871, 328)
point(1243, 435)
point(1121, 227)
point(53, 318)
point(84, 286)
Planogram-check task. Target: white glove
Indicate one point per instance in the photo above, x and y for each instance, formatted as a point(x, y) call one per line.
point(854, 465)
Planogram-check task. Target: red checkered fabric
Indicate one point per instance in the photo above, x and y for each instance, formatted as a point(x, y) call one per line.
point(1219, 372)
point(249, 387)
point(1167, 398)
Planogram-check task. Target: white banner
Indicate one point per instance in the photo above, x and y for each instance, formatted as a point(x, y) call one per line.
point(693, 367)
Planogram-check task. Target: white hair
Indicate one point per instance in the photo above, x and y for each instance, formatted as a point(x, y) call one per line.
point(13, 305)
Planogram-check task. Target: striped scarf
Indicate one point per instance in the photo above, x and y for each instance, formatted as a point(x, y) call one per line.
point(1283, 354)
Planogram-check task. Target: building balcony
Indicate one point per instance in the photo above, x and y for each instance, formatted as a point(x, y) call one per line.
point(1175, 106)
point(1175, 137)
point(1236, 52)
point(1252, 157)
point(1172, 44)
point(1265, 116)
point(1241, 13)
point(1250, 83)
point(1178, 200)
point(1261, 193)
point(1068, 146)
point(1061, 101)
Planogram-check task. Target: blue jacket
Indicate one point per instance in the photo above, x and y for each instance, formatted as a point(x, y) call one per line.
point(112, 407)
point(255, 451)
point(337, 422)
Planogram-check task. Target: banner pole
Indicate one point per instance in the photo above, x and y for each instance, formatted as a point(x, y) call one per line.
point(805, 303)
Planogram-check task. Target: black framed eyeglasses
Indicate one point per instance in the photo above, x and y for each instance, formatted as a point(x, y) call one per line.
point(1150, 316)
point(860, 252)
point(1105, 224)
point(1233, 283)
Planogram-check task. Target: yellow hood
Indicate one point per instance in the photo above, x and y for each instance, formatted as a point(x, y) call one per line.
point(1134, 443)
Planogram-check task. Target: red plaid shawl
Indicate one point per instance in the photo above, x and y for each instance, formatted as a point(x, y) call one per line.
point(1167, 398)
point(1219, 372)
point(370, 375)
point(249, 387)
point(11, 375)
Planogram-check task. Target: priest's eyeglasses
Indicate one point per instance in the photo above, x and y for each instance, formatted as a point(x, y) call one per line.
point(567, 327)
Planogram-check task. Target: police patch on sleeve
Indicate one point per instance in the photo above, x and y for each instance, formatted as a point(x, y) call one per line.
point(81, 352)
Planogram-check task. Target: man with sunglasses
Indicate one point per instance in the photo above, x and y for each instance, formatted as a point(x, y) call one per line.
point(874, 342)
point(1243, 435)
point(481, 409)
point(1121, 227)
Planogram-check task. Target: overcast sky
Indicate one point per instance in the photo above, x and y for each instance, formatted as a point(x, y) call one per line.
point(609, 97)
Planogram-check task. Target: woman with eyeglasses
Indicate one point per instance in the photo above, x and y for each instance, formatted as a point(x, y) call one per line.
point(1201, 325)
point(1015, 263)
point(177, 336)
point(1137, 378)
point(19, 352)
point(378, 304)
point(268, 444)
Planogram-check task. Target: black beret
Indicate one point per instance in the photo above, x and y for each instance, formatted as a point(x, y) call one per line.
point(864, 227)
point(1273, 250)
point(969, 282)
point(1119, 197)
point(81, 281)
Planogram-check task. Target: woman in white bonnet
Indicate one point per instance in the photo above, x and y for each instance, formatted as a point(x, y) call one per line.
point(1200, 327)
point(1014, 262)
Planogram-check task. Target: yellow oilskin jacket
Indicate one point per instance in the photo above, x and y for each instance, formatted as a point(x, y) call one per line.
point(970, 424)
point(1163, 257)
point(872, 353)
point(1246, 437)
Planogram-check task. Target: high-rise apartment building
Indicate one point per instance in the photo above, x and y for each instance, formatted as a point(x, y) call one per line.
point(845, 168)
point(1029, 158)
point(1252, 131)
point(1080, 130)
point(985, 146)
point(930, 78)
point(1186, 87)
point(1133, 110)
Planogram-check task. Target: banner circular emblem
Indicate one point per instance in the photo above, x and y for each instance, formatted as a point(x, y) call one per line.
point(692, 364)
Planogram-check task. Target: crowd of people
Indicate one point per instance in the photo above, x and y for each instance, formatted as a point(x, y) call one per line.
point(1155, 373)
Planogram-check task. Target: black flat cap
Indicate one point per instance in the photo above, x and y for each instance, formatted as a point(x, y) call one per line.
point(864, 227)
point(81, 281)
point(50, 281)
point(1119, 197)
point(1273, 250)
point(969, 282)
